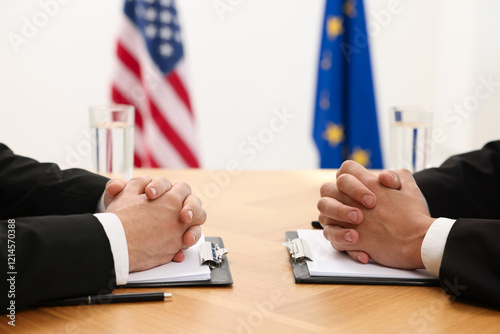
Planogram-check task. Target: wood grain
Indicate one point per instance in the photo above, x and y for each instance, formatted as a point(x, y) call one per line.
point(251, 210)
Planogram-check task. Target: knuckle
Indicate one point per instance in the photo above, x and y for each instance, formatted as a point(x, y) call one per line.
point(322, 205)
point(194, 206)
point(330, 208)
point(158, 179)
point(326, 234)
point(331, 235)
point(185, 186)
point(172, 202)
point(163, 179)
point(325, 220)
point(371, 182)
point(202, 217)
point(343, 181)
point(405, 173)
point(161, 182)
point(195, 202)
point(346, 165)
point(327, 188)
point(391, 173)
point(140, 179)
point(337, 211)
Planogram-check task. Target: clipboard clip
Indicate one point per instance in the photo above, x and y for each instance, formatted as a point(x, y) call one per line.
point(211, 254)
point(298, 249)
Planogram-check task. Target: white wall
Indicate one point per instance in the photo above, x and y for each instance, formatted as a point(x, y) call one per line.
point(485, 119)
point(47, 86)
point(256, 59)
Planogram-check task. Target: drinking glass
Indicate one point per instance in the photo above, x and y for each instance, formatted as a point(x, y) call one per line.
point(112, 131)
point(410, 137)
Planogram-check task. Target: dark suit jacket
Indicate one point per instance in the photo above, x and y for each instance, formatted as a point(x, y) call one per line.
point(61, 249)
point(467, 188)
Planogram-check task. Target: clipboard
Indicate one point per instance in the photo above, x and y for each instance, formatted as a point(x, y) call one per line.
point(220, 275)
point(301, 274)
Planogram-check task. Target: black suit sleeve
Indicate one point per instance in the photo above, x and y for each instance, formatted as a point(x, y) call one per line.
point(470, 267)
point(60, 248)
point(467, 188)
point(55, 257)
point(464, 186)
point(30, 188)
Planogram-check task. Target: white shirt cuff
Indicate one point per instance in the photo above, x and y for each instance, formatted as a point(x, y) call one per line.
point(116, 235)
point(434, 242)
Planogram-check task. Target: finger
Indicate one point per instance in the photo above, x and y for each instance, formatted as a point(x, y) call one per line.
point(405, 176)
point(336, 210)
point(366, 177)
point(114, 186)
point(331, 189)
point(157, 187)
point(343, 240)
point(112, 189)
point(324, 220)
point(409, 183)
point(355, 189)
point(359, 256)
point(137, 185)
point(181, 190)
point(191, 209)
point(340, 238)
point(390, 179)
point(191, 236)
point(200, 220)
point(179, 256)
point(328, 189)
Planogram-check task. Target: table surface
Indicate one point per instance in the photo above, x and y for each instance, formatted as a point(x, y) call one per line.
point(251, 210)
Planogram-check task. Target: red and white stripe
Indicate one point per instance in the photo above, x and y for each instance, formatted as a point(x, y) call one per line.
point(165, 134)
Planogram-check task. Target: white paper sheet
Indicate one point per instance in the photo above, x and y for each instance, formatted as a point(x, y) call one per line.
point(187, 270)
point(330, 262)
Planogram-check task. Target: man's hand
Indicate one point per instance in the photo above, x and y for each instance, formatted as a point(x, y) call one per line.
point(384, 218)
point(156, 187)
point(157, 230)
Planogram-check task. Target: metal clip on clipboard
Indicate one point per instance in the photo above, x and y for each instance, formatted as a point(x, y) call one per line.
point(299, 250)
point(211, 254)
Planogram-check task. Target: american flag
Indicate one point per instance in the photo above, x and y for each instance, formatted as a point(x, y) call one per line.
point(151, 76)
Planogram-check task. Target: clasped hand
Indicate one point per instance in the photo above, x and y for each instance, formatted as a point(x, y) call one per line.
point(382, 217)
point(159, 219)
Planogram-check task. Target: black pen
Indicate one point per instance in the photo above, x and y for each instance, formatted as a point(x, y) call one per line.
point(316, 224)
point(109, 299)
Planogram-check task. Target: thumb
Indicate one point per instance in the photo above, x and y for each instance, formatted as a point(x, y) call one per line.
point(390, 179)
point(112, 189)
point(405, 176)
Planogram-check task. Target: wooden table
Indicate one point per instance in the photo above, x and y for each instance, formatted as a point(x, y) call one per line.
point(251, 210)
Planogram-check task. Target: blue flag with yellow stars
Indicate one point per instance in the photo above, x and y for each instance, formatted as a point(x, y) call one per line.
point(345, 121)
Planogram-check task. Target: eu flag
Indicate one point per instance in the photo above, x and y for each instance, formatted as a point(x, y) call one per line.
point(345, 122)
